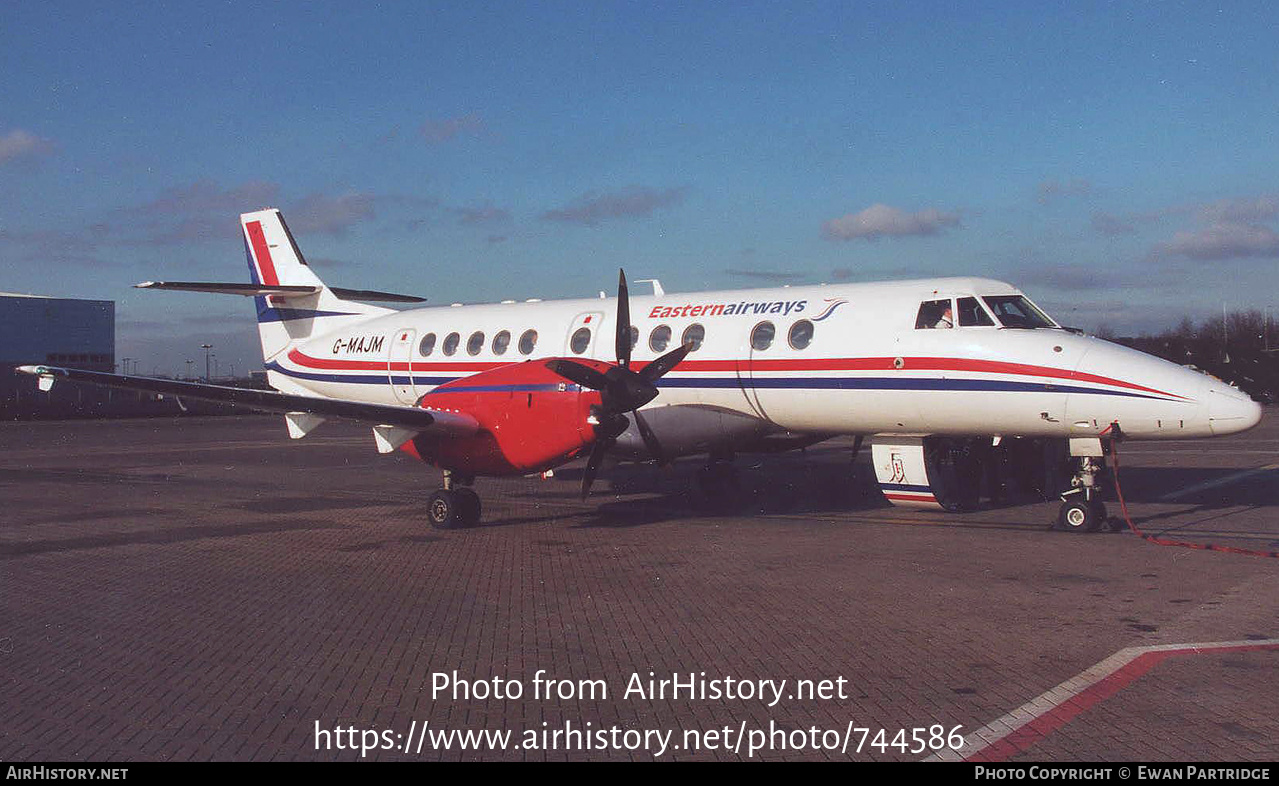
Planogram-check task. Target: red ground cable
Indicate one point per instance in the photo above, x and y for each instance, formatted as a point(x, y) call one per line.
point(1123, 506)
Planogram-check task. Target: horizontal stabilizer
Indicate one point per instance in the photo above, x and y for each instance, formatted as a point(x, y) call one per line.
point(248, 290)
point(428, 422)
point(373, 296)
point(278, 291)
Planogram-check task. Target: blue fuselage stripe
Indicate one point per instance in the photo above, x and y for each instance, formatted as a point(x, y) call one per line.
point(759, 383)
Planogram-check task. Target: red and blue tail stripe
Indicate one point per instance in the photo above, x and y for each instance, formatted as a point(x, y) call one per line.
point(262, 271)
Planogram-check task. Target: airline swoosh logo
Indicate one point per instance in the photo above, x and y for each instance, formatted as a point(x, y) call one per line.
point(834, 303)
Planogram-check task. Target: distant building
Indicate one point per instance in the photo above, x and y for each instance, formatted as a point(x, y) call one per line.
point(57, 331)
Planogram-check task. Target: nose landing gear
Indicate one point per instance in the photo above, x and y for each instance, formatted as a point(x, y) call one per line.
point(1081, 507)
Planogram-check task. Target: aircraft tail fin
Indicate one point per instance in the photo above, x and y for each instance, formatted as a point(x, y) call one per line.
point(299, 305)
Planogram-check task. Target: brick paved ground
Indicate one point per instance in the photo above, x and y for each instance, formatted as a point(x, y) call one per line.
point(205, 589)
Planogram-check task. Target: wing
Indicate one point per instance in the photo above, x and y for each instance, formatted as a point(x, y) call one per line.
point(392, 425)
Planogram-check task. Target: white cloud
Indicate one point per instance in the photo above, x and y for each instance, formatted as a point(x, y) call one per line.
point(205, 196)
point(881, 220)
point(1262, 208)
point(18, 144)
point(1109, 224)
point(436, 131)
point(330, 215)
point(481, 214)
point(631, 202)
point(1223, 240)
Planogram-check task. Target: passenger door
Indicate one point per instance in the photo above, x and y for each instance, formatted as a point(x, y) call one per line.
point(399, 366)
point(592, 323)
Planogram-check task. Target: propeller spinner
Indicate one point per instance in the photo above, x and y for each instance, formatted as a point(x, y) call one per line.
point(621, 390)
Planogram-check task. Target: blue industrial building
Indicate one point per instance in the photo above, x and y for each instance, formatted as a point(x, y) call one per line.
point(58, 331)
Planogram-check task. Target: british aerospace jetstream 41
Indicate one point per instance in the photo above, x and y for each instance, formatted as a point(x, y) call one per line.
point(935, 372)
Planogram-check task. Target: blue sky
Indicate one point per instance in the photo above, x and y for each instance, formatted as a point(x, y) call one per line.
point(1115, 160)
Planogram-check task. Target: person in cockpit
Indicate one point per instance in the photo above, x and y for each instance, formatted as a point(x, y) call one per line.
point(947, 320)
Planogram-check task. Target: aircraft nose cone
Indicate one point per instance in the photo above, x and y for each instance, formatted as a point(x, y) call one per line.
point(1230, 411)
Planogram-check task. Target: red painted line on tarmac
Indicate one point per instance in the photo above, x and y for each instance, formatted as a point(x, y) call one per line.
point(1069, 700)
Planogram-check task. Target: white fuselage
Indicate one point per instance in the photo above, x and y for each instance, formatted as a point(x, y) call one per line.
point(868, 368)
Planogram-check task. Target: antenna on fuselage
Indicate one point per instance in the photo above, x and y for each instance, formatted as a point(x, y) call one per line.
point(657, 285)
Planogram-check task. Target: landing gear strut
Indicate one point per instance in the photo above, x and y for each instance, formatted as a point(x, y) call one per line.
point(1081, 507)
point(454, 506)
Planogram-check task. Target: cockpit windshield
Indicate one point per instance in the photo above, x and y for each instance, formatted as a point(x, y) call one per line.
point(1015, 311)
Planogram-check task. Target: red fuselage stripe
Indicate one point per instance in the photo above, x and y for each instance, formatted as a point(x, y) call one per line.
point(831, 364)
point(913, 364)
point(463, 367)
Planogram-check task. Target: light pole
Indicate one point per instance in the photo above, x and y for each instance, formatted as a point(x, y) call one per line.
point(189, 364)
point(206, 348)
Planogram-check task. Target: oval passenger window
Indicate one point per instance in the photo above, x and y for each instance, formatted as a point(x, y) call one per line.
point(660, 338)
point(801, 334)
point(528, 340)
point(501, 341)
point(762, 336)
point(427, 345)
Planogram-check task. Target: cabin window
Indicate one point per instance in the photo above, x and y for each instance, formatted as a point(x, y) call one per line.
point(450, 343)
point(971, 314)
point(501, 341)
point(801, 334)
point(935, 314)
point(660, 338)
point(693, 334)
point(527, 342)
point(762, 336)
point(580, 341)
point(427, 345)
point(1015, 311)
point(475, 343)
point(634, 337)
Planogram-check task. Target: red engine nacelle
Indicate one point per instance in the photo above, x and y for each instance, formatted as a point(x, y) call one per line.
point(531, 419)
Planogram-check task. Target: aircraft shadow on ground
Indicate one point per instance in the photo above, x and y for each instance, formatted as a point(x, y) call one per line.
point(1156, 484)
point(630, 495)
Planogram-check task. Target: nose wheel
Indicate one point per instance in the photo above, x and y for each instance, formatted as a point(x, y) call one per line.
point(1081, 507)
point(1081, 515)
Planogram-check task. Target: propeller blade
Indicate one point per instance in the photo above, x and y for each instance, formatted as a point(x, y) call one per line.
point(593, 464)
point(623, 344)
point(650, 439)
point(585, 376)
point(658, 368)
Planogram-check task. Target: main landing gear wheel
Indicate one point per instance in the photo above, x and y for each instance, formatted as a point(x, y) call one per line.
point(1079, 515)
point(453, 508)
point(470, 504)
